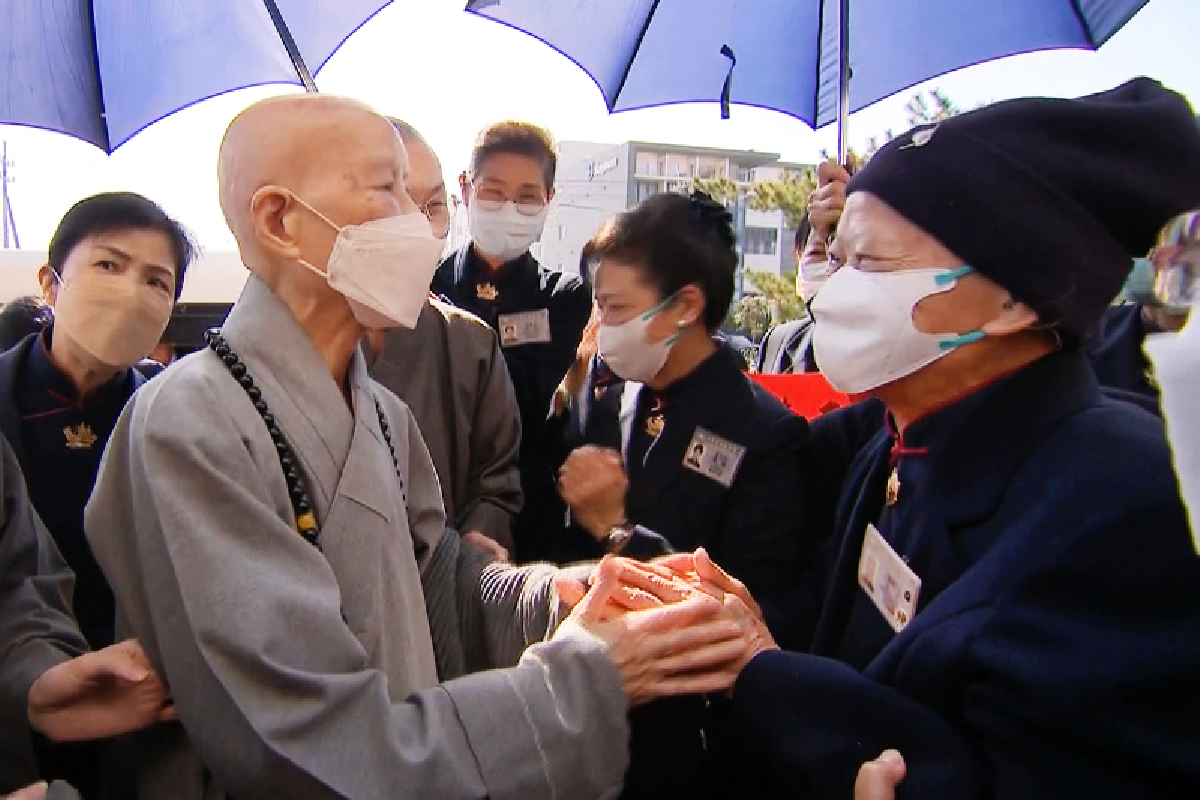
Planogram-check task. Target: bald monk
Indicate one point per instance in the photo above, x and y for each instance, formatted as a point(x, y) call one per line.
point(272, 528)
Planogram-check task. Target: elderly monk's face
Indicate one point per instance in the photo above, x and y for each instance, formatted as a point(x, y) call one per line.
point(356, 175)
point(872, 237)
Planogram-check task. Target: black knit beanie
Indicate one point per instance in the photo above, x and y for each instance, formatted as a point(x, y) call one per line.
point(1049, 198)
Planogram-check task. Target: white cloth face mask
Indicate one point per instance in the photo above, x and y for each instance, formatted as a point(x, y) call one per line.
point(627, 351)
point(864, 336)
point(383, 267)
point(504, 233)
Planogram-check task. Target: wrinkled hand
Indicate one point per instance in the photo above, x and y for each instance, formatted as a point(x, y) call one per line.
point(826, 204)
point(639, 586)
point(100, 694)
point(35, 792)
point(877, 780)
point(692, 646)
point(700, 571)
point(592, 481)
point(479, 539)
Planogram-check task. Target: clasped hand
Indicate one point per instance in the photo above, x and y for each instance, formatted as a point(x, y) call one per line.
point(677, 626)
point(96, 695)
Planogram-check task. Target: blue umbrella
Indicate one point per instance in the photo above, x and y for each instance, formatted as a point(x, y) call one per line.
point(816, 60)
point(102, 71)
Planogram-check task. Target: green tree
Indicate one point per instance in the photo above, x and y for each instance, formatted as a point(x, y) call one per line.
point(779, 291)
point(753, 315)
point(789, 194)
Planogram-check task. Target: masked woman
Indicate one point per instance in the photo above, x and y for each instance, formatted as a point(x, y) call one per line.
point(114, 270)
point(675, 437)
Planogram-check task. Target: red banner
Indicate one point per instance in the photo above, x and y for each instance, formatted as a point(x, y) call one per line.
point(808, 395)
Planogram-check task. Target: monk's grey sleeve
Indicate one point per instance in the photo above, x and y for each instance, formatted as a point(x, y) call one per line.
point(243, 618)
point(37, 630)
point(494, 484)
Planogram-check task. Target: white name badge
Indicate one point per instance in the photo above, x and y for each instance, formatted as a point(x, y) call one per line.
point(528, 327)
point(888, 581)
point(714, 457)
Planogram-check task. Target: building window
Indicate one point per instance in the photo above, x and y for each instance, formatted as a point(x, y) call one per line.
point(761, 241)
point(644, 189)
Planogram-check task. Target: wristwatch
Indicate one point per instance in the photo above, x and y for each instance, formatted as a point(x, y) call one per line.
point(618, 536)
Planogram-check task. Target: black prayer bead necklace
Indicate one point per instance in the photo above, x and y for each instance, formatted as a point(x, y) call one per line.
point(302, 508)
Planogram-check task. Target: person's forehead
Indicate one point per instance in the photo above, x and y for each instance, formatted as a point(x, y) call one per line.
point(424, 169)
point(868, 222)
point(141, 246)
point(512, 169)
point(615, 277)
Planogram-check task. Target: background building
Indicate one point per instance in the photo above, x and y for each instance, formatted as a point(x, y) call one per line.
point(596, 181)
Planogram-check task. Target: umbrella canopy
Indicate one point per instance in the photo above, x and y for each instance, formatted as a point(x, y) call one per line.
point(102, 71)
point(646, 53)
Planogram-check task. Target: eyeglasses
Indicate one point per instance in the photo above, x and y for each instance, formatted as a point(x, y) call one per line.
point(491, 199)
point(1177, 263)
point(437, 211)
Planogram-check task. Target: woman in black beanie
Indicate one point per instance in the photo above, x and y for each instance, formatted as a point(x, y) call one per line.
point(1011, 597)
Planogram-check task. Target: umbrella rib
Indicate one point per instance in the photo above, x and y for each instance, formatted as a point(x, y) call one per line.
point(91, 7)
point(820, 59)
point(636, 47)
point(1083, 22)
point(289, 44)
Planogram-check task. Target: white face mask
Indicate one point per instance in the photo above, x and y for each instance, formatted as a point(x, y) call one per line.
point(383, 267)
point(864, 336)
point(504, 233)
point(627, 351)
point(812, 278)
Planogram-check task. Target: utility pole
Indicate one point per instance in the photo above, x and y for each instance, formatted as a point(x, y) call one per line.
point(7, 221)
point(739, 226)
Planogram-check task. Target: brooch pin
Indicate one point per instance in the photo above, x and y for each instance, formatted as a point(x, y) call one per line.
point(81, 437)
point(655, 424)
point(893, 488)
point(920, 138)
point(486, 291)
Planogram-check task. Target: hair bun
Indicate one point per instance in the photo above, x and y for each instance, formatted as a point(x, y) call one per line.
point(712, 215)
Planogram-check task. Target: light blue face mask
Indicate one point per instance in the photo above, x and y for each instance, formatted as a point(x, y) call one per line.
point(1139, 286)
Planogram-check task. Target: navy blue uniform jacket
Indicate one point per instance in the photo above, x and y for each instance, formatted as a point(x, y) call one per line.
point(753, 528)
point(536, 369)
point(1055, 652)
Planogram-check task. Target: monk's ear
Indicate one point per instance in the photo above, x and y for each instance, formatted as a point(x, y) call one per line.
point(1014, 317)
point(273, 213)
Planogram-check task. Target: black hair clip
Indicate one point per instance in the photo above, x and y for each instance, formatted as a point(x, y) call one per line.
point(709, 210)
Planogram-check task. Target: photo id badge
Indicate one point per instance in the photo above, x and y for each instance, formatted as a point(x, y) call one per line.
point(887, 580)
point(714, 457)
point(528, 327)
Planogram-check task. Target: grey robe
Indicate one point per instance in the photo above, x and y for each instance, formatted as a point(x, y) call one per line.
point(450, 372)
point(37, 630)
point(278, 695)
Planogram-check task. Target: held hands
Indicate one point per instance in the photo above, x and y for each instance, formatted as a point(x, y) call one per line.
point(592, 482)
point(665, 639)
point(105, 693)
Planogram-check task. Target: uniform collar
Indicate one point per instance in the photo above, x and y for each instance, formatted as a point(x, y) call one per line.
point(44, 378)
point(976, 443)
point(473, 269)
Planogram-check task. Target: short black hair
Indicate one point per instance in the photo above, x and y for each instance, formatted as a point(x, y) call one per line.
point(21, 317)
point(120, 211)
point(676, 241)
point(520, 139)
